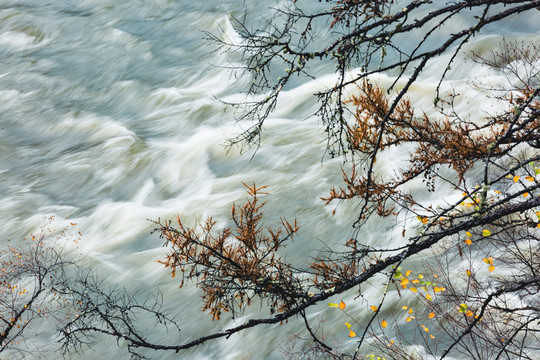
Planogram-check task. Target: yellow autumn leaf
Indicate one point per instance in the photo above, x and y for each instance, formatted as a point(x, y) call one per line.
point(384, 324)
point(497, 192)
point(373, 307)
point(413, 289)
point(516, 178)
point(408, 272)
point(486, 232)
point(352, 333)
point(529, 178)
point(526, 194)
point(348, 325)
point(405, 281)
point(469, 273)
point(469, 313)
point(491, 268)
point(404, 307)
point(431, 315)
point(408, 319)
point(342, 305)
point(429, 297)
point(411, 311)
point(431, 336)
point(468, 234)
point(422, 219)
point(468, 241)
point(333, 305)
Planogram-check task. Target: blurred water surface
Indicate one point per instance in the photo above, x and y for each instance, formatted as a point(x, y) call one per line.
point(108, 118)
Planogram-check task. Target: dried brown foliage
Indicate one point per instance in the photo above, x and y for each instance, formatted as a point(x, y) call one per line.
point(233, 265)
point(431, 142)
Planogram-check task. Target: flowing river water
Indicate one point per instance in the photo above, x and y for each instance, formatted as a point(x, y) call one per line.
point(109, 119)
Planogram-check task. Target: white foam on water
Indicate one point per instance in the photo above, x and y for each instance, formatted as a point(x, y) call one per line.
point(16, 41)
point(99, 129)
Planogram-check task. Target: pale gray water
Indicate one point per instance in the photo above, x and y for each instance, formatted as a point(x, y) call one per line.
point(108, 118)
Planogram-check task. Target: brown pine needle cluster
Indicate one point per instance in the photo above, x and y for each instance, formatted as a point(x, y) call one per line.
point(234, 264)
point(432, 143)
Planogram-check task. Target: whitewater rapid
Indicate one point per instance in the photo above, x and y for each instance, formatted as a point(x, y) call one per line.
point(109, 119)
